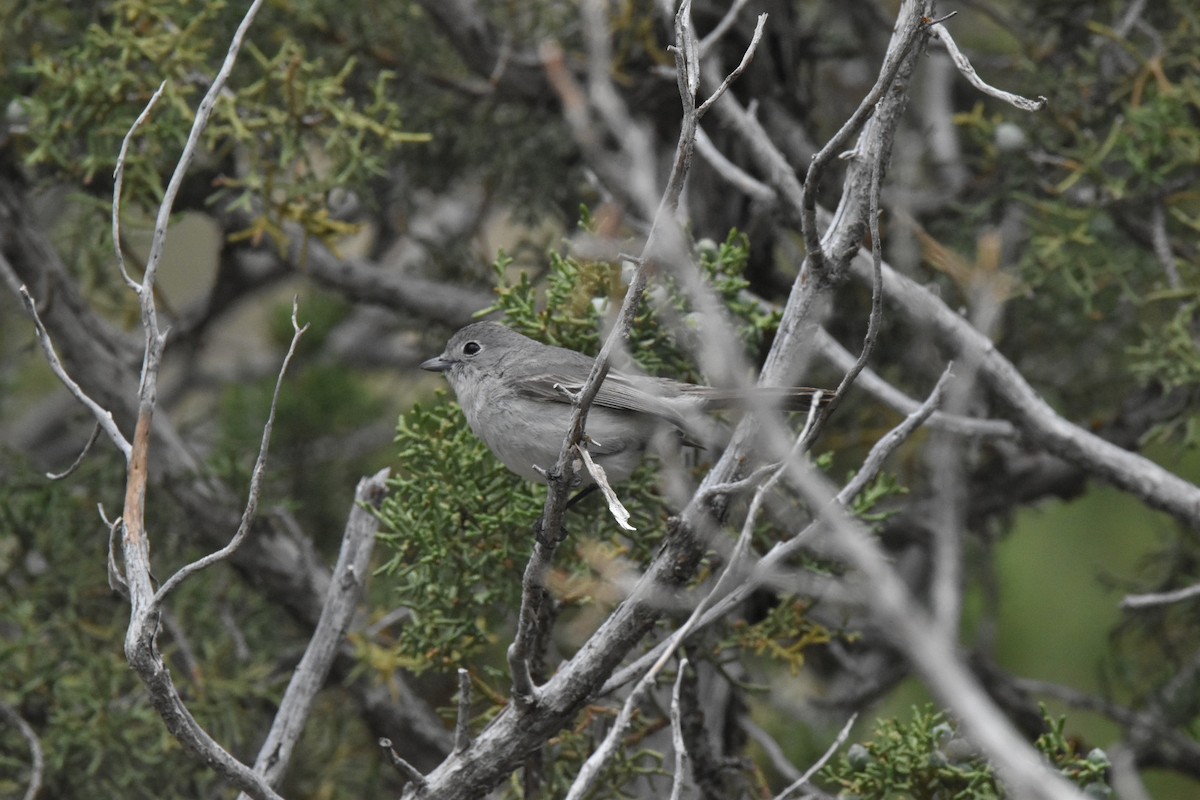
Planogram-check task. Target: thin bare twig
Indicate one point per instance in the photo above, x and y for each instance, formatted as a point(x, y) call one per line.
point(403, 767)
point(747, 57)
point(1161, 598)
point(820, 763)
point(241, 647)
point(256, 476)
point(782, 551)
point(118, 181)
point(203, 112)
point(104, 417)
point(687, 57)
point(37, 759)
point(1161, 243)
point(834, 147)
point(876, 315)
point(682, 761)
point(87, 447)
point(964, 66)
point(1129, 17)
point(740, 485)
point(892, 440)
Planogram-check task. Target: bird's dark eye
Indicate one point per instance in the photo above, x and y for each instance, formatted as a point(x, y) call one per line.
point(471, 348)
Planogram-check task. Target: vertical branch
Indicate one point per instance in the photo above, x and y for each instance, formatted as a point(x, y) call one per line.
point(119, 181)
point(136, 548)
point(345, 590)
point(462, 725)
point(883, 107)
point(203, 112)
point(140, 647)
point(664, 243)
point(682, 762)
point(876, 316)
point(911, 24)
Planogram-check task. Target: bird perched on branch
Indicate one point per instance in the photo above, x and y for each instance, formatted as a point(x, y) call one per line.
point(517, 395)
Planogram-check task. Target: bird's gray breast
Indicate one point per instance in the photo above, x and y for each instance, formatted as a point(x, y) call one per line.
point(525, 433)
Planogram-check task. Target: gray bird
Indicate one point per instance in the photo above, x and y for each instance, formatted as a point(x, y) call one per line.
point(514, 393)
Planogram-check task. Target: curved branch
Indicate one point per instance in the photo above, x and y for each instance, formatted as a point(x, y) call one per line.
point(37, 758)
point(911, 23)
point(349, 578)
point(256, 476)
point(1136, 474)
point(964, 66)
point(104, 417)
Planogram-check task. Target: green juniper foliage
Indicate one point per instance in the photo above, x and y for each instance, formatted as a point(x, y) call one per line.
point(1088, 176)
point(927, 759)
point(783, 635)
point(291, 127)
point(866, 505)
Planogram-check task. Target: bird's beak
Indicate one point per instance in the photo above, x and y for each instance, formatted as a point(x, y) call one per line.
point(437, 364)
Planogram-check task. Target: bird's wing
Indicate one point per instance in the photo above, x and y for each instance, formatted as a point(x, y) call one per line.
point(619, 391)
point(673, 401)
point(670, 400)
